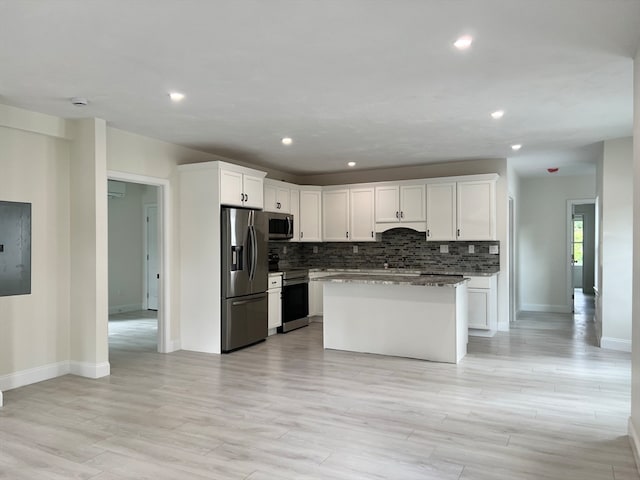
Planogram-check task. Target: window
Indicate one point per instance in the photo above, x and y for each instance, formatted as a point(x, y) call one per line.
point(578, 240)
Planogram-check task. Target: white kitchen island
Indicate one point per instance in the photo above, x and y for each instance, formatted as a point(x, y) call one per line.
point(422, 317)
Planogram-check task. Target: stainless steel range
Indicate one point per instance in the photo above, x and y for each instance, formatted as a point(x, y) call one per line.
point(295, 299)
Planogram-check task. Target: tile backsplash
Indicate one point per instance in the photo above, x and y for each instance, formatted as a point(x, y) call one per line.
point(400, 247)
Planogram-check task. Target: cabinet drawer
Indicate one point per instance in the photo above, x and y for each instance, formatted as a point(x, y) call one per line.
point(275, 281)
point(479, 282)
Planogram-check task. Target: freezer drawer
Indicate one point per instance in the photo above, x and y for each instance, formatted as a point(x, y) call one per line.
point(244, 320)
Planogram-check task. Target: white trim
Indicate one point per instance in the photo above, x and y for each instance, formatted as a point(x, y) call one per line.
point(90, 370)
point(568, 240)
point(635, 443)
point(174, 346)
point(477, 332)
point(33, 375)
point(145, 241)
point(531, 307)
point(612, 343)
point(1, 398)
point(133, 307)
point(34, 122)
point(164, 246)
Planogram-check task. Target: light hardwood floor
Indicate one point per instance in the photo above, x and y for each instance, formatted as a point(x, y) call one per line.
point(539, 402)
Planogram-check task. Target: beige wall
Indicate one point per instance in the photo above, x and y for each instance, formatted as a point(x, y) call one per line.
point(634, 421)
point(34, 329)
point(543, 240)
point(126, 250)
point(616, 232)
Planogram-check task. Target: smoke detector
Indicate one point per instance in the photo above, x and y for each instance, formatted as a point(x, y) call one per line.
point(79, 101)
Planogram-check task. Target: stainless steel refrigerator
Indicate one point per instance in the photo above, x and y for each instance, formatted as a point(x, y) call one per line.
point(244, 277)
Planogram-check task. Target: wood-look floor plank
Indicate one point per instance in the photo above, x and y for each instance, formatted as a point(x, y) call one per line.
point(538, 402)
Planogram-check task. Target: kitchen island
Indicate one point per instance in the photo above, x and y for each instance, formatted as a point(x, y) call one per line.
point(415, 316)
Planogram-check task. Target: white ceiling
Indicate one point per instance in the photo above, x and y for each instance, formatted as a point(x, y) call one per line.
point(374, 81)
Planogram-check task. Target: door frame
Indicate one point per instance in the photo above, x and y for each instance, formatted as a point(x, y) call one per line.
point(165, 345)
point(145, 236)
point(569, 245)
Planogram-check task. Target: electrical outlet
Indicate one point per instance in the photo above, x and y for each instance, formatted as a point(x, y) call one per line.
point(472, 249)
point(315, 249)
point(494, 249)
point(284, 250)
point(444, 248)
point(355, 249)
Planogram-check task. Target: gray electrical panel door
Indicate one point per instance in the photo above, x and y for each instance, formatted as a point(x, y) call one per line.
point(15, 248)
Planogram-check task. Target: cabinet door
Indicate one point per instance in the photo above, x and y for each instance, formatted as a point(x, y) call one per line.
point(270, 202)
point(295, 211)
point(361, 204)
point(441, 211)
point(412, 203)
point(231, 192)
point(253, 192)
point(283, 200)
point(479, 308)
point(275, 308)
point(310, 216)
point(335, 215)
point(387, 205)
point(476, 210)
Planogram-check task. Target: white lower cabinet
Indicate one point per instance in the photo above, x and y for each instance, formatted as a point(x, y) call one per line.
point(483, 305)
point(275, 302)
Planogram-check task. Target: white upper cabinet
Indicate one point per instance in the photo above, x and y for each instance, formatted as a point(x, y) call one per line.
point(412, 204)
point(362, 210)
point(400, 204)
point(462, 210)
point(241, 187)
point(476, 210)
point(295, 211)
point(441, 211)
point(276, 196)
point(335, 215)
point(388, 203)
point(310, 214)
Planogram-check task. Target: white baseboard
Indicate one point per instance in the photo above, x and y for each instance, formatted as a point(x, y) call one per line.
point(476, 332)
point(1, 398)
point(33, 375)
point(534, 307)
point(90, 370)
point(173, 346)
point(619, 344)
point(52, 370)
point(134, 307)
point(635, 443)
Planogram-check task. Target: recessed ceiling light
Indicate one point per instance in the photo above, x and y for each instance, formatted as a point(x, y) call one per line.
point(176, 96)
point(287, 141)
point(516, 147)
point(352, 164)
point(463, 42)
point(497, 114)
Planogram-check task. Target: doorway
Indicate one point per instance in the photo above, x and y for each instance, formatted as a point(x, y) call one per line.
point(153, 275)
point(581, 249)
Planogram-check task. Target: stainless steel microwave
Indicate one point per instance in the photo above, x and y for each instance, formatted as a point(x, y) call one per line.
point(280, 226)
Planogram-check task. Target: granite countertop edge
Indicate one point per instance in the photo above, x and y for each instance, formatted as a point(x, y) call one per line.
point(404, 271)
point(394, 279)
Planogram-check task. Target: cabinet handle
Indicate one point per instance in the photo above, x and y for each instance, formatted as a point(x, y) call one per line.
point(242, 197)
point(372, 236)
point(458, 233)
point(301, 234)
point(347, 234)
point(428, 233)
point(246, 197)
point(401, 214)
point(398, 215)
point(278, 205)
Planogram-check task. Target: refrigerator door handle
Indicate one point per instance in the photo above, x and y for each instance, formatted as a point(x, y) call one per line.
point(254, 255)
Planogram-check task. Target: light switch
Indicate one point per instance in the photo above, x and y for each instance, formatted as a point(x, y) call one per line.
point(472, 249)
point(444, 248)
point(315, 249)
point(355, 249)
point(494, 249)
